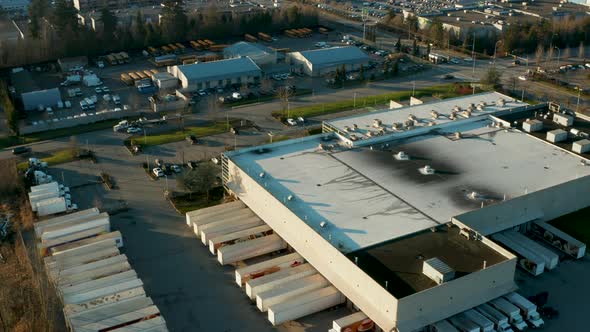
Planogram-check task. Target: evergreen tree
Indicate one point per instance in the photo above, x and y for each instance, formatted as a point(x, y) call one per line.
point(64, 16)
point(174, 20)
point(415, 48)
point(109, 26)
point(362, 73)
point(398, 44)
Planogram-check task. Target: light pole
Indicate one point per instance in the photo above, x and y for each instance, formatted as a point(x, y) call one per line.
point(354, 100)
point(473, 55)
point(413, 88)
point(578, 103)
point(558, 55)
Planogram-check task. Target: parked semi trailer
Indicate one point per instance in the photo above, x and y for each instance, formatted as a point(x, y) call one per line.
point(527, 259)
point(499, 319)
point(527, 308)
point(463, 324)
point(558, 239)
point(510, 310)
point(55, 205)
point(442, 326)
point(484, 324)
point(549, 257)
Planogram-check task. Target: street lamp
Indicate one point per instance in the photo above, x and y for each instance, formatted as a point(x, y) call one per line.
point(558, 55)
point(579, 88)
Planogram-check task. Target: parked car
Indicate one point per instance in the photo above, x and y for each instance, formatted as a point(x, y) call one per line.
point(20, 150)
point(98, 90)
point(300, 119)
point(158, 172)
point(159, 162)
point(449, 77)
point(236, 96)
point(175, 168)
point(192, 164)
point(234, 130)
point(215, 160)
point(192, 139)
point(202, 93)
point(291, 122)
point(133, 130)
point(522, 78)
point(105, 89)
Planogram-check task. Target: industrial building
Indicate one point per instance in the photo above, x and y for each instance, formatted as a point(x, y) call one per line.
point(220, 73)
point(31, 96)
point(390, 212)
point(84, 6)
point(327, 60)
point(260, 54)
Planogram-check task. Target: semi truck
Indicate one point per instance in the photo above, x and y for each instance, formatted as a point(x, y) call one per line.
point(558, 239)
point(511, 311)
point(484, 324)
point(527, 260)
point(50, 186)
point(463, 323)
point(54, 206)
point(442, 326)
point(500, 321)
point(527, 308)
point(549, 257)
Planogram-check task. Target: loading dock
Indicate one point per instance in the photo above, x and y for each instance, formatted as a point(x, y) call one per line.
point(223, 227)
point(304, 305)
point(230, 238)
point(249, 249)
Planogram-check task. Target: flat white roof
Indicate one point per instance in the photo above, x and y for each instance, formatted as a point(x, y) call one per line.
point(367, 196)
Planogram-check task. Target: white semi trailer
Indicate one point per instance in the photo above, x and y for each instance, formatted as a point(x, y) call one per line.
point(55, 205)
point(549, 257)
point(527, 260)
point(510, 310)
point(499, 319)
point(464, 324)
point(527, 309)
point(558, 239)
point(442, 326)
point(484, 324)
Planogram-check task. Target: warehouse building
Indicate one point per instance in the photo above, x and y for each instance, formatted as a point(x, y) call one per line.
point(327, 60)
point(204, 75)
point(31, 96)
point(261, 55)
point(392, 209)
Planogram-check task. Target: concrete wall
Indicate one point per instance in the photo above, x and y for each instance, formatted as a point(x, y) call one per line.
point(30, 129)
point(357, 286)
point(450, 298)
point(545, 204)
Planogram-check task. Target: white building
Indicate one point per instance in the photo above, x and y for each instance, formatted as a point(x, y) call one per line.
point(376, 196)
point(260, 54)
point(213, 74)
point(14, 6)
point(326, 60)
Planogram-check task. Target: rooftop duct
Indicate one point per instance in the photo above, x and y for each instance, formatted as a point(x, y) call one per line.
point(437, 270)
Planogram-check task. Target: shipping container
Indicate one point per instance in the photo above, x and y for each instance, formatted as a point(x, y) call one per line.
point(125, 78)
point(527, 260)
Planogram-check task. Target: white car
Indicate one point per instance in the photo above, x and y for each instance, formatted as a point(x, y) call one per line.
point(202, 93)
point(133, 130)
point(300, 119)
point(236, 96)
point(117, 109)
point(175, 168)
point(158, 172)
point(291, 122)
point(522, 78)
point(98, 90)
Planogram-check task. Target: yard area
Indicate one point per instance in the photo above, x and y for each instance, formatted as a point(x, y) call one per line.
point(190, 202)
point(575, 224)
point(179, 135)
point(439, 91)
point(58, 157)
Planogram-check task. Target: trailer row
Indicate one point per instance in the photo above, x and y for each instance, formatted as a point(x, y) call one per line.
point(131, 77)
point(117, 58)
point(534, 256)
point(51, 198)
point(503, 314)
point(299, 33)
point(98, 287)
point(201, 44)
point(285, 287)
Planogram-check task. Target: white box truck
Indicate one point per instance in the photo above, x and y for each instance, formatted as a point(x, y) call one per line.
point(463, 324)
point(510, 310)
point(499, 319)
point(527, 309)
point(484, 324)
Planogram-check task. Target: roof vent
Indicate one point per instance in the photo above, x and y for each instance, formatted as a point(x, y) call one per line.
point(324, 224)
point(377, 123)
point(402, 156)
point(437, 270)
point(397, 125)
point(354, 126)
point(409, 123)
point(426, 170)
point(453, 115)
point(290, 197)
point(458, 135)
point(501, 102)
point(412, 117)
point(457, 108)
point(353, 137)
point(347, 129)
point(434, 114)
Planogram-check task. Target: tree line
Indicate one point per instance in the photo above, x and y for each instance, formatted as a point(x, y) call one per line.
point(55, 32)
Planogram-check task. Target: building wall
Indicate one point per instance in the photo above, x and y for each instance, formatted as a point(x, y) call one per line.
point(296, 58)
point(47, 98)
point(193, 85)
point(357, 286)
point(437, 303)
point(549, 203)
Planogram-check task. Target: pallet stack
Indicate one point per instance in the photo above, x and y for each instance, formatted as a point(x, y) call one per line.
point(99, 288)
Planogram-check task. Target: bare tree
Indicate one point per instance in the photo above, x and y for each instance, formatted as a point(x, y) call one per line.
point(266, 85)
point(581, 51)
point(284, 94)
point(567, 53)
point(539, 54)
point(244, 89)
point(74, 148)
point(201, 179)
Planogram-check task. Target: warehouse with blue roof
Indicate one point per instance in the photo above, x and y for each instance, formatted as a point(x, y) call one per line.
point(327, 60)
point(213, 74)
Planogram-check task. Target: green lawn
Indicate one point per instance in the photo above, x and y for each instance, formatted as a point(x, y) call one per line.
point(575, 224)
point(8, 141)
point(300, 92)
point(59, 157)
point(175, 136)
point(185, 203)
point(441, 91)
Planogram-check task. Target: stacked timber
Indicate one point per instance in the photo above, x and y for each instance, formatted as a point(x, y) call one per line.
point(98, 287)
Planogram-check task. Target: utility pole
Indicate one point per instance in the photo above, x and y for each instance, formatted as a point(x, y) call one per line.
point(578, 103)
point(473, 55)
point(558, 55)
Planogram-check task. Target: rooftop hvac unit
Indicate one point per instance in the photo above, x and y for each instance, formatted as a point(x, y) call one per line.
point(412, 117)
point(457, 108)
point(377, 123)
point(426, 170)
point(453, 115)
point(353, 137)
point(501, 102)
point(458, 135)
point(434, 114)
point(437, 270)
point(347, 129)
point(397, 125)
point(354, 126)
point(402, 156)
point(467, 114)
point(409, 123)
